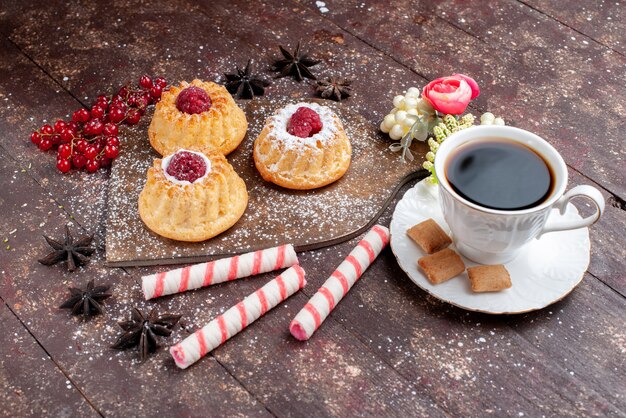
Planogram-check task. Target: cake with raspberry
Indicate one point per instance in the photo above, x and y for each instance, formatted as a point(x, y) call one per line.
point(302, 146)
point(192, 195)
point(201, 114)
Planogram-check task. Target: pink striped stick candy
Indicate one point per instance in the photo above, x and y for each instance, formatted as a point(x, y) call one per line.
point(220, 329)
point(337, 285)
point(218, 271)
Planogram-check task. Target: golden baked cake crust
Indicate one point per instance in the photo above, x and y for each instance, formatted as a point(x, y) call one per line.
point(302, 163)
point(193, 211)
point(222, 127)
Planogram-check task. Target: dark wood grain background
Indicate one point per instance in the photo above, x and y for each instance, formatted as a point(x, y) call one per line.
point(556, 68)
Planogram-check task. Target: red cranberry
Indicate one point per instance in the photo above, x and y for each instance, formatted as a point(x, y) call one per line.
point(102, 101)
point(161, 82)
point(113, 140)
point(142, 102)
point(133, 116)
point(64, 165)
point(81, 145)
point(79, 160)
point(45, 144)
point(132, 100)
point(193, 100)
point(66, 135)
point(110, 129)
point(97, 112)
point(186, 166)
point(99, 143)
point(81, 116)
point(93, 127)
point(91, 152)
point(117, 100)
point(111, 151)
point(46, 130)
point(64, 151)
point(35, 137)
point(304, 123)
point(123, 92)
point(59, 125)
point(156, 91)
point(92, 166)
point(145, 82)
point(117, 114)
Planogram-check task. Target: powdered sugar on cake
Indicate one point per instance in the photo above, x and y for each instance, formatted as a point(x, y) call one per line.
point(280, 120)
point(165, 162)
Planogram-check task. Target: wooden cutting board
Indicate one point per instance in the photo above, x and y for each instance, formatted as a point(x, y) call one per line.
point(307, 219)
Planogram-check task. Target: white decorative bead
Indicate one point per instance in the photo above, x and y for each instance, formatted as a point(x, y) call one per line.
point(383, 127)
point(410, 102)
point(396, 132)
point(408, 122)
point(487, 116)
point(413, 91)
point(396, 100)
point(487, 122)
point(393, 111)
point(413, 112)
point(498, 121)
point(389, 121)
point(400, 116)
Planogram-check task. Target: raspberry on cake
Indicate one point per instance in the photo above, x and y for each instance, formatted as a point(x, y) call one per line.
point(302, 146)
point(187, 166)
point(193, 100)
point(197, 114)
point(304, 123)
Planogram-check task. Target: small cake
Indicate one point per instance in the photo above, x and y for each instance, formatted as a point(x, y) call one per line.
point(442, 265)
point(489, 278)
point(302, 146)
point(192, 195)
point(429, 236)
point(197, 114)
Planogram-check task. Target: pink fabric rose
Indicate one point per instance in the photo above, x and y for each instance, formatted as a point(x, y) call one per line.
point(451, 95)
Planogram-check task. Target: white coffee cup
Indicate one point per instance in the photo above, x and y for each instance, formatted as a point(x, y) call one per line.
point(490, 236)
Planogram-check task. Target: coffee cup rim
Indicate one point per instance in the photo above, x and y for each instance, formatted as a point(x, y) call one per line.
point(508, 132)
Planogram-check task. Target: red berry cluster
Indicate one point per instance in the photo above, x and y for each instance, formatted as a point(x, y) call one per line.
point(90, 140)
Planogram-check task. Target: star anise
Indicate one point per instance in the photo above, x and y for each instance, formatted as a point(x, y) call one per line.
point(244, 84)
point(141, 331)
point(334, 88)
point(76, 253)
point(86, 302)
point(296, 64)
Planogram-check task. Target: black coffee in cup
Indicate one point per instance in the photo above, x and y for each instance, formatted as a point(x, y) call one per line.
point(499, 173)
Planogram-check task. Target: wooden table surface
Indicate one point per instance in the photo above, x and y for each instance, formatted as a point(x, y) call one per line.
point(553, 67)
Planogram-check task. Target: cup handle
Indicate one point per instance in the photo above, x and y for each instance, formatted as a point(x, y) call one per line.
point(579, 191)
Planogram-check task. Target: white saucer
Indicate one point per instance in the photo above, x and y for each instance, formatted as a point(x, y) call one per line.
point(546, 271)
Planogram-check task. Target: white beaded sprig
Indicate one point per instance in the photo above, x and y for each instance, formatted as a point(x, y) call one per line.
point(407, 109)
